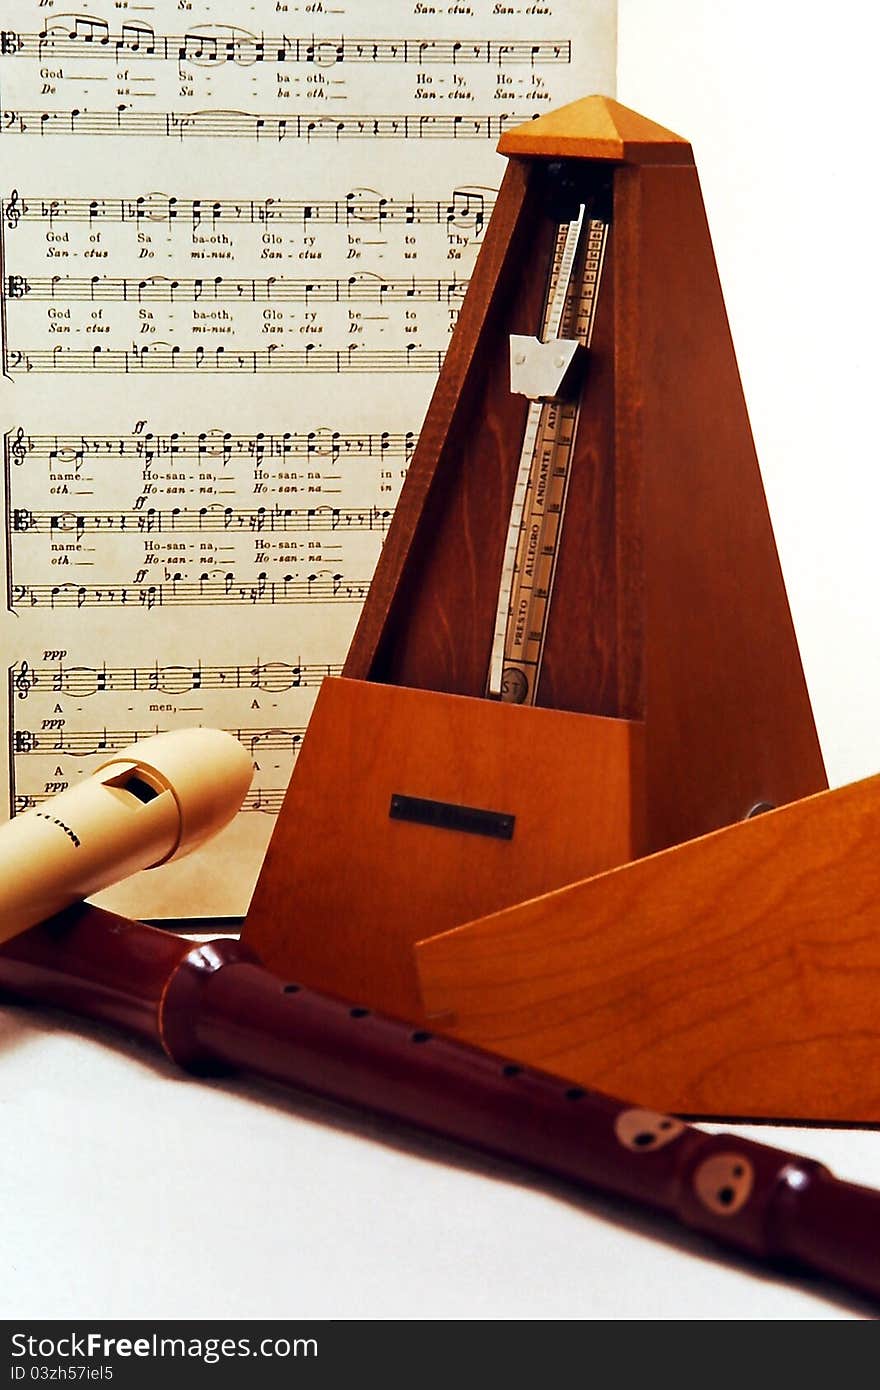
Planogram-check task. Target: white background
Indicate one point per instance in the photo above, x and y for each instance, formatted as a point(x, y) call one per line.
point(131, 1193)
point(779, 99)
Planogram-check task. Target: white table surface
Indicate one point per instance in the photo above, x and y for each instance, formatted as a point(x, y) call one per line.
point(132, 1191)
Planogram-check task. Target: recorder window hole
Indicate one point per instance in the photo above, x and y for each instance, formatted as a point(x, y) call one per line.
point(140, 789)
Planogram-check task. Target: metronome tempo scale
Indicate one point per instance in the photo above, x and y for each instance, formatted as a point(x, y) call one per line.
point(569, 657)
point(542, 369)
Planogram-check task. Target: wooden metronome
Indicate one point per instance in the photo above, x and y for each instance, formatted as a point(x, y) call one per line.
point(577, 648)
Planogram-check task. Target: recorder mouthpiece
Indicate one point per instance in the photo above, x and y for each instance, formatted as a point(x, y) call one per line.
point(153, 801)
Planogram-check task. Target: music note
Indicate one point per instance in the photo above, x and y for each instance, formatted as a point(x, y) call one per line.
point(159, 207)
point(89, 30)
point(221, 507)
point(230, 44)
point(243, 125)
point(199, 48)
point(136, 37)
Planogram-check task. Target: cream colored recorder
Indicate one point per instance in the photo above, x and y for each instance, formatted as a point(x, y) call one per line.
point(151, 802)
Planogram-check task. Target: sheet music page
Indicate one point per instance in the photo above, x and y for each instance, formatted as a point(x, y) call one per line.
point(235, 240)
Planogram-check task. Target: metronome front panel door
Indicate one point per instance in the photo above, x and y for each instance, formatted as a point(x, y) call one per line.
point(411, 811)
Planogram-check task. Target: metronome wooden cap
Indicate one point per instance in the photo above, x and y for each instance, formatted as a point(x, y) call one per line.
point(597, 127)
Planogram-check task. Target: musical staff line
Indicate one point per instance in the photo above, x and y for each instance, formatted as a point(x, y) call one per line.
point(267, 799)
point(214, 518)
point(465, 208)
point(365, 288)
point(167, 357)
point(316, 588)
point(275, 677)
point(242, 125)
point(219, 445)
point(80, 36)
point(83, 743)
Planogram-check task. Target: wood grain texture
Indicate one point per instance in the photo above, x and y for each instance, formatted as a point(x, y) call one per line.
point(433, 630)
point(727, 713)
point(579, 670)
point(345, 890)
point(669, 604)
point(598, 128)
point(383, 641)
point(212, 1008)
point(735, 975)
point(673, 698)
point(629, 500)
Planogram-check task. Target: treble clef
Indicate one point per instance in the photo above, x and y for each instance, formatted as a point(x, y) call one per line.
point(18, 449)
point(24, 681)
point(14, 209)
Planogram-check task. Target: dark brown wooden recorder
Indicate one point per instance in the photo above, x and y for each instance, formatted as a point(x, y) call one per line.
point(577, 649)
point(211, 1007)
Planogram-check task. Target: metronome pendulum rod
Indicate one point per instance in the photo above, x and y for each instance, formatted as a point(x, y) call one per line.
point(538, 369)
point(531, 452)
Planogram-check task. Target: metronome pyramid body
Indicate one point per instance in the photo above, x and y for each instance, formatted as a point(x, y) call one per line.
point(669, 698)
